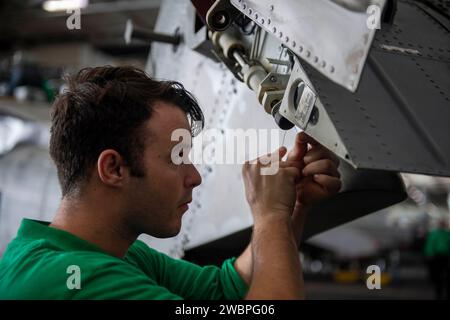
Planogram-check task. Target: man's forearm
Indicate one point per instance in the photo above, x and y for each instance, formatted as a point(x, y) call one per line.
point(244, 263)
point(276, 265)
point(298, 222)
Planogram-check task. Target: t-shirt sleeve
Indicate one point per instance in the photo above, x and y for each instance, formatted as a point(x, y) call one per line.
point(189, 280)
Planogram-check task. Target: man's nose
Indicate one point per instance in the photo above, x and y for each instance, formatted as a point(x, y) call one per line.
point(193, 178)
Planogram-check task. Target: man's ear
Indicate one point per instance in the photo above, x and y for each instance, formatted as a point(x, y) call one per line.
point(111, 168)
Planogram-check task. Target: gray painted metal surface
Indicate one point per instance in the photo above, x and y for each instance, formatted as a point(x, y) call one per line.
point(399, 118)
point(333, 37)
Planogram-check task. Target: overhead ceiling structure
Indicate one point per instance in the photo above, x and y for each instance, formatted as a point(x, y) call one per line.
point(26, 23)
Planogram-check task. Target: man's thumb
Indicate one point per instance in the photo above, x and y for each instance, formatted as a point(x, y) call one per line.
point(282, 152)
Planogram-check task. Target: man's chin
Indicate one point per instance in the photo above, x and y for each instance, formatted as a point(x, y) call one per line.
point(164, 234)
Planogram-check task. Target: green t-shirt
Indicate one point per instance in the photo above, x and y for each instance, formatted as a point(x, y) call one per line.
point(437, 243)
point(47, 263)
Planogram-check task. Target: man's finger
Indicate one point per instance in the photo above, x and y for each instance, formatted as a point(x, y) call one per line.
point(295, 164)
point(299, 150)
point(331, 184)
point(323, 166)
point(292, 171)
point(304, 138)
point(320, 152)
point(282, 151)
point(275, 156)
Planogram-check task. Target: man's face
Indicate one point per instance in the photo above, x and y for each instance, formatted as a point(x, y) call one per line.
point(156, 202)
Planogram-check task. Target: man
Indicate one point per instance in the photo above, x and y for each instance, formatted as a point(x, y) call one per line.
point(111, 143)
point(437, 254)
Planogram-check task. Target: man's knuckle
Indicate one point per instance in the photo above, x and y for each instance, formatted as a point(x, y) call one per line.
point(329, 165)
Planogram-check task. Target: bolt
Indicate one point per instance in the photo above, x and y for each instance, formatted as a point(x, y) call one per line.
point(271, 7)
point(220, 19)
point(273, 78)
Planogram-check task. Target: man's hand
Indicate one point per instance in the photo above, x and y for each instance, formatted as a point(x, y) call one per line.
point(320, 177)
point(271, 194)
point(306, 177)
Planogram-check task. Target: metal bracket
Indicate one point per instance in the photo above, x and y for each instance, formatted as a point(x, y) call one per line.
point(272, 83)
point(299, 98)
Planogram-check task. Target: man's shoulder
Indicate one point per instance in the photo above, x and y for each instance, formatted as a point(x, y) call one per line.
point(143, 256)
point(139, 249)
point(40, 270)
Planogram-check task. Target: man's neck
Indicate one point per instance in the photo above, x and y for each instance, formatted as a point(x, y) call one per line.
point(90, 223)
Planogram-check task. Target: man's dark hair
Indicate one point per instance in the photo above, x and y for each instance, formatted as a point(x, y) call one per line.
point(105, 108)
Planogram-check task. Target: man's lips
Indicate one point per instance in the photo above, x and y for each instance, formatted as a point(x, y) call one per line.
point(185, 203)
